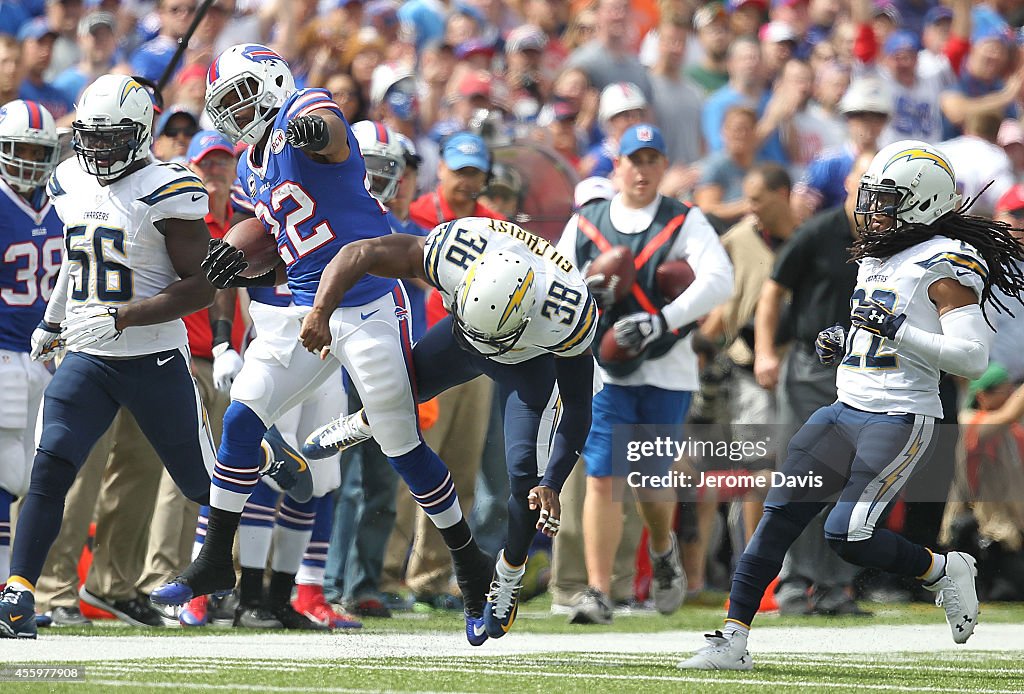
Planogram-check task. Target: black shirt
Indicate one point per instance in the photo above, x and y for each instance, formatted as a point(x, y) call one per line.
point(814, 265)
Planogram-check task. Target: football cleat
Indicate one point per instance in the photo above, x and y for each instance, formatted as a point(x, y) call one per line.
point(134, 611)
point(201, 577)
point(336, 436)
point(310, 602)
point(255, 618)
point(957, 595)
point(286, 467)
point(503, 599)
point(290, 619)
point(17, 614)
point(195, 613)
point(476, 631)
point(668, 584)
point(721, 653)
point(43, 621)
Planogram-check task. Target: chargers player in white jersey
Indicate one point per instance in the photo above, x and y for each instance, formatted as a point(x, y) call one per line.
point(307, 184)
point(134, 239)
point(926, 270)
point(521, 313)
point(31, 246)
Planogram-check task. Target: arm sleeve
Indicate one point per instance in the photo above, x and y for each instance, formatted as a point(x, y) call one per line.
point(575, 377)
point(964, 356)
point(57, 305)
point(698, 243)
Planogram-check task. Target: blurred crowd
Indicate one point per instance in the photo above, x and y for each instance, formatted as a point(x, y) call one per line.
point(769, 111)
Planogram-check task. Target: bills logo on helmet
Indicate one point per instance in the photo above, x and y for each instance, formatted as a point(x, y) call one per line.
point(913, 153)
point(262, 54)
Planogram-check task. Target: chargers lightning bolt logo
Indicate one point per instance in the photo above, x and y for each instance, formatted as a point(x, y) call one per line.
point(129, 87)
point(918, 153)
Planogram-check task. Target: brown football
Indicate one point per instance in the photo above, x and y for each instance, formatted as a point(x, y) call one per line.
point(673, 278)
point(610, 352)
point(257, 245)
point(614, 263)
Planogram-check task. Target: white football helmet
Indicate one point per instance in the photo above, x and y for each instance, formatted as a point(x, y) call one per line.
point(910, 181)
point(114, 127)
point(247, 76)
point(494, 302)
point(384, 157)
point(24, 124)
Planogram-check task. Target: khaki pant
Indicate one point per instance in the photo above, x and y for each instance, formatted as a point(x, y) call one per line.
point(458, 437)
point(173, 530)
point(117, 485)
point(568, 569)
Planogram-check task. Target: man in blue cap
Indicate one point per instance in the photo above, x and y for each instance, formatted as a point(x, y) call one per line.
point(654, 387)
point(462, 174)
point(916, 114)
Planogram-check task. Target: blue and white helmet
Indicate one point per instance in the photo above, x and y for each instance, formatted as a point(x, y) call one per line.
point(259, 79)
point(384, 157)
point(26, 123)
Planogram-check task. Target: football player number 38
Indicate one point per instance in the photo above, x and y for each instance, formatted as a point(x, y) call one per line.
point(98, 252)
point(28, 258)
point(872, 359)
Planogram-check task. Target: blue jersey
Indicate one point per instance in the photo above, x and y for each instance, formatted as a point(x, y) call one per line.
point(313, 209)
point(417, 296)
point(271, 296)
point(31, 244)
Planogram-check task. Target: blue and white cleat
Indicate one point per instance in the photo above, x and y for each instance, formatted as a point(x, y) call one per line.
point(286, 467)
point(18, 614)
point(336, 436)
point(177, 592)
point(476, 632)
point(503, 598)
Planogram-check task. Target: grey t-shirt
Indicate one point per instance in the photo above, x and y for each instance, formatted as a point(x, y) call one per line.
point(603, 68)
point(677, 108)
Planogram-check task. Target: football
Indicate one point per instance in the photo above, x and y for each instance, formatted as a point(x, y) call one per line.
point(610, 352)
point(673, 277)
point(617, 266)
point(257, 245)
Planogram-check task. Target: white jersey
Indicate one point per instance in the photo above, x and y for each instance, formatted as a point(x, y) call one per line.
point(875, 375)
point(115, 255)
point(564, 316)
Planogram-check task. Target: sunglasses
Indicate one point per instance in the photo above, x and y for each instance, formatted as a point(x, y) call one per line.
point(182, 9)
point(175, 132)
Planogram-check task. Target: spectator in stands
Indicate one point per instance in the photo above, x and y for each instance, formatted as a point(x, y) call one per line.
point(932, 60)
point(10, 68)
point(622, 106)
point(980, 86)
point(37, 39)
point(347, 95)
point(867, 106)
point(63, 16)
point(608, 58)
point(916, 114)
point(746, 16)
point(174, 131)
point(152, 58)
point(527, 84)
point(715, 37)
point(979, 161)
point(98, 43)
point(812, 130)
point(1006, 345)
point(778, 44)
point(677, 102)
point(1011, 139)
point(719, 193)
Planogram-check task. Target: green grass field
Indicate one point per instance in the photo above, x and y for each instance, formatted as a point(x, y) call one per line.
point(233, 661)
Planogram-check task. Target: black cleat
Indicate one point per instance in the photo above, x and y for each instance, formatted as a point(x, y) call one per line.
point(17, 614)
point(290, 619)
point(286, 467)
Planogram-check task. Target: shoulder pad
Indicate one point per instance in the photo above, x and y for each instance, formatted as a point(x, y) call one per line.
point(53, 187)
point(184, 184)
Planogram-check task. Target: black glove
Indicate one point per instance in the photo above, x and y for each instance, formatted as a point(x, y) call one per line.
point(308, 132)
point(830, 345)
point(223, 263)
point(877, 319)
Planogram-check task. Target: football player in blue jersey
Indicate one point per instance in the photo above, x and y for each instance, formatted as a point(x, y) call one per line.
point(31, 245)
point(307, 183)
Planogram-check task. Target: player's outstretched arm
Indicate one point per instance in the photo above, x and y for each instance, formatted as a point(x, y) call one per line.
point(186, 241)
point(396, 255)
point(321, 133)
point(575, 378)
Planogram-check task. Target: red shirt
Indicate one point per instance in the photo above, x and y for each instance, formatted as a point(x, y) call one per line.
point(200, 336)
point(428, 211)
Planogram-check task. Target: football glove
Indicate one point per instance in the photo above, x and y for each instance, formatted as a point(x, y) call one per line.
point(831, 345)
point(45, 342)
point(637, 330)
point(308, 132)
point(226, 365)
point(223, 263)
point(875, 318)
point(604, 296)
point(89, 326)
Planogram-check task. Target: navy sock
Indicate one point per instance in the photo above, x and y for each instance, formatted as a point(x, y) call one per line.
point(41, 515)
point(885, 550)
point(522, 527)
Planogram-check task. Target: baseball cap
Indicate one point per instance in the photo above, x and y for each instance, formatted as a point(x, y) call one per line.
point(473, 47)
point(733, 5)
point(708, 14)
point(885, 8)
point(563, 110)
point(1012, 200)
point(995, 375)
point(94, 20)
point(641, 136)
point(776, 4)
point(386, 76)
point(866, 95)
point(36, 29)
point(618, 98)
point(937, 14)
point(464, 150)
point(901, 40)
point(524, 38)
point(170, 113)
point(1010, 132)
point(593, 188)
point(777, 32)
point(475, 83)
point(206, 141)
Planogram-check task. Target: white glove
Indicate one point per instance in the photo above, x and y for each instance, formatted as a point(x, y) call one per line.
point(46, 343)
point(89, 326)
point(226, 365)
point(637, 330)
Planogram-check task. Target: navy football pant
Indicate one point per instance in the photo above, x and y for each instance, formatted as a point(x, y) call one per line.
point(866, 459)
point(78, 407)
point(524, 390)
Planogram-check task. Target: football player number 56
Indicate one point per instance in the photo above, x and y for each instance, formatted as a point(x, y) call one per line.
point(96, 251)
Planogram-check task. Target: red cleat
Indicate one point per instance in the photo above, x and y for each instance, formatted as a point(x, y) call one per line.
point(310, 602)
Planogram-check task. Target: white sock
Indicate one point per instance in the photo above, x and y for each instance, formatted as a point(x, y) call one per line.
point(937, 570)
point(507, 570)
point(289, 546)
point(310, 575)
point(254, 545)
point(5, 561)
point(733, 628)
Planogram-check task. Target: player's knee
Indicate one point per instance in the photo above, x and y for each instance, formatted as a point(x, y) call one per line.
point(242, 424)
point(52, 476)
point(857, 552)
point(776, 531)
point(253, 388)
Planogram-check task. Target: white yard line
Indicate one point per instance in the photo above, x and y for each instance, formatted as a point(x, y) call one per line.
point(53, 647)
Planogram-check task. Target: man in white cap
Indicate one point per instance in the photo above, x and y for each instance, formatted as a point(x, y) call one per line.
point(622, 105)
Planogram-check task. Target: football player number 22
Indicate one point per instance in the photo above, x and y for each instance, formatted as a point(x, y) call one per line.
point(872, 359)
point(304, 211)
point(28, 258)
